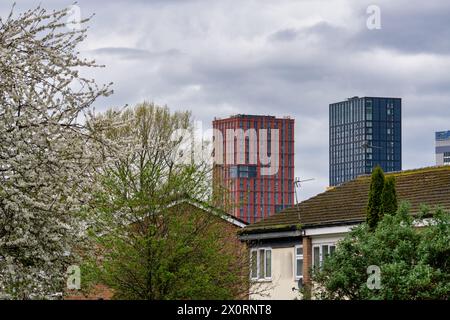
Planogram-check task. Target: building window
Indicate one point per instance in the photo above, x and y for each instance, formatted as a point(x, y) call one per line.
point(321, 252)
point(261, 264)
point(233, 172)
point(298, 262)
point(446, 157)
point(279, 208)
point(243, 171)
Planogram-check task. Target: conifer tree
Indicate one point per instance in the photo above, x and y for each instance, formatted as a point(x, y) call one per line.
point(389, 204)
point(374, 203)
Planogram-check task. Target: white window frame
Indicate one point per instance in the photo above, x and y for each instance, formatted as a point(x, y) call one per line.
point(258, 267)
point(320, 246)
point(298, 257)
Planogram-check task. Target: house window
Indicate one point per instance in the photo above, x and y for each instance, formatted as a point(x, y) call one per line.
point(298, 262)
point(321, 252)
point(261, 264)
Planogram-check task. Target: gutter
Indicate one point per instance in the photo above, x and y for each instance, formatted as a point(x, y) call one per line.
point(298, 231)
point(317, 230)
point(271, 235)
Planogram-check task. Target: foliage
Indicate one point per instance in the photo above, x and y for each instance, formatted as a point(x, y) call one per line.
point(46, 154)
point(414, 262)
point(389, 202)
point(150, 248)
point(374, 203)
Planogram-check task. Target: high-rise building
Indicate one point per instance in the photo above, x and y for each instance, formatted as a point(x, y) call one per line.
point(364, 132)
point(257, 166)
point(443, 148)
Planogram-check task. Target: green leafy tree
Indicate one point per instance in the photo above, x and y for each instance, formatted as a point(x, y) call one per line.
point(374, 204)
point(389, 202)
point(150, 248)
point(414, 262)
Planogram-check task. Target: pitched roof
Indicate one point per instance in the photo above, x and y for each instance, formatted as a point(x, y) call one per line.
point(210, 209)
point(347, 203)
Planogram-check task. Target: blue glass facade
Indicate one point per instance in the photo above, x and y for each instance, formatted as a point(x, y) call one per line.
point(443, 148)
point(443, 135)
point(364, 132)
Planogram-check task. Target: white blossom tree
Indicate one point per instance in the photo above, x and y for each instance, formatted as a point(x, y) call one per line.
point(46, 150)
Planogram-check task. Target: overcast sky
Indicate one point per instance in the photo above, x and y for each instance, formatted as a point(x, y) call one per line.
point(283, 58)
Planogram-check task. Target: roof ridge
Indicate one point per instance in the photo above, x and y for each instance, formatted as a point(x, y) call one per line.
point(407, 171)
point(428, 185)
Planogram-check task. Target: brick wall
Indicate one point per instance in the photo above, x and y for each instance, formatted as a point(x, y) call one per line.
point(307, 263)
point(99, 292)
point(231, 245)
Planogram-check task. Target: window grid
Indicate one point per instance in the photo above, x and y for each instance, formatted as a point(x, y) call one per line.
point(321, 252)
point(298, 267)
point(261, 264)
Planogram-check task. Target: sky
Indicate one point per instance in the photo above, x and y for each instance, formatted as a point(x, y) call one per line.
point(283, 58)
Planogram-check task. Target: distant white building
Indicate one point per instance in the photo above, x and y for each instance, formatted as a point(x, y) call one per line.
point(443, 148)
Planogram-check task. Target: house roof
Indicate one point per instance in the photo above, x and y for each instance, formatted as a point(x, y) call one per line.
point(211, 210)
point(346, 204)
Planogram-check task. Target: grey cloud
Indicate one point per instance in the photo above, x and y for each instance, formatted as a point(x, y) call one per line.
point(133, 53)
point(405, 27)
point(322, 29)
point(284, 35)
point(409, 27)
point(216, 60)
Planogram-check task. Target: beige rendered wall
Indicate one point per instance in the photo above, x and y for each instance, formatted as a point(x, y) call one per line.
point(283, 279)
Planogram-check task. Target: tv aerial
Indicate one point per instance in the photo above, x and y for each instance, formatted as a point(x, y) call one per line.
point(366, 145)
point(298, 184)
